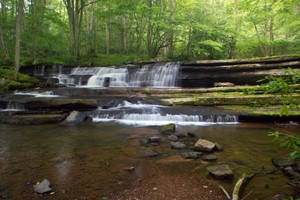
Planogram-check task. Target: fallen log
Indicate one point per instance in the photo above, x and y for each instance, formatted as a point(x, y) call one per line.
point(238, 185)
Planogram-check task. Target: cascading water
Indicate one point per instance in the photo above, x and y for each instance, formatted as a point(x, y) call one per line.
point(150, 115)
point(152, 75)
point(156, 76)
point(14, 106)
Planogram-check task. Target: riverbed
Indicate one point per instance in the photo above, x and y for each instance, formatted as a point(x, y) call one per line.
point(103, 160)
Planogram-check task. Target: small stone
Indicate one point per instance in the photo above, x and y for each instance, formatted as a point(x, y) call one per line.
point(43, 187)
point(209, 158)
point(154, 139)
point(177, 145)
point(154, 189)
point(204, 145)
point(191, 155)
point(173, 138)
point(130, 169)
point(222, 171)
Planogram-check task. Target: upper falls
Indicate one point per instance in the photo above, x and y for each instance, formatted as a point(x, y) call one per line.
point(151, 75)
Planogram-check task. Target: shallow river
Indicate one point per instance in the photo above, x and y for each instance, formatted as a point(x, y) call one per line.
point(91, 161)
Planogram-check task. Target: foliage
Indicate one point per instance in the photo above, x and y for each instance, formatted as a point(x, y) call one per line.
point(288, 141)
point(173, 29)
point(284, 87)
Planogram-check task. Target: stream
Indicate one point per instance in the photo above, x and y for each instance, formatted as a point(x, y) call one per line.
point(90, 160)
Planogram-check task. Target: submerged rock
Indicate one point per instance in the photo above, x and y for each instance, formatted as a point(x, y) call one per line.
point(154, 139)
point(209, 158)
point(177, 145)
point(222, 171)
point(169, 128)
point(282, 162)
point(145, 152)
point(204, 145)
point(191, 155)
point(173, 138)
point(43, 187)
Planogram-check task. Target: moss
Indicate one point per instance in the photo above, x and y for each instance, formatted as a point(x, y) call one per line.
point(7, 82)
point(264, 110)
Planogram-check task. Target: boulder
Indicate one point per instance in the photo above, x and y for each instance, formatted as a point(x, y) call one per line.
point(173, 138)
point(191, 155)
point(177, 145)
point(209, 157)
point(222, 171)
point(43, 187)
point(169, 128)
point(204, 145)
point(76, 117)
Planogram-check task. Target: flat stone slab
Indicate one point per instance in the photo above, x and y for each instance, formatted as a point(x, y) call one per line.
point(204, 145)
point(222, 171)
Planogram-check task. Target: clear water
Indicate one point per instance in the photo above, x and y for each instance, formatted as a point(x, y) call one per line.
point(88, 161)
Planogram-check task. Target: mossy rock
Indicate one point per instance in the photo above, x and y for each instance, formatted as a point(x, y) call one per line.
point(169, 128)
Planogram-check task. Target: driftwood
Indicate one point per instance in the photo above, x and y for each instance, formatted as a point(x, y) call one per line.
point(237, 187)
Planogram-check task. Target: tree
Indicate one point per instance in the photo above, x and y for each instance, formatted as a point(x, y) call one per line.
point(18, 37)
point(75, 14)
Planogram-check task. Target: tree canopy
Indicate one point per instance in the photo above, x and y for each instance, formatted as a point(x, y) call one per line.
point(173, 29)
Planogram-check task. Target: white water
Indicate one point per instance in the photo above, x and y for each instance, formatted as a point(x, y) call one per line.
point(153, 115)
point(154, 75)
point(37, 94)
point(14, 106)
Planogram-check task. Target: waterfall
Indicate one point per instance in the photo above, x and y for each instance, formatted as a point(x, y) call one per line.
point(142, 114)
point(14, 106)
point(158, 75)
point(152, 75)
point(116, 77)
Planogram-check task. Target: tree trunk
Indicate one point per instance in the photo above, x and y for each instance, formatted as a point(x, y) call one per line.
point(107, 33)
point(3, 29)
point(18, 38)
point(271, 36)
point(149, 30)
point(75, 13)
point(258, 38)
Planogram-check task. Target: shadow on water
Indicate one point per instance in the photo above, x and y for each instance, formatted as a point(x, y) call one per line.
point(91, 160)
